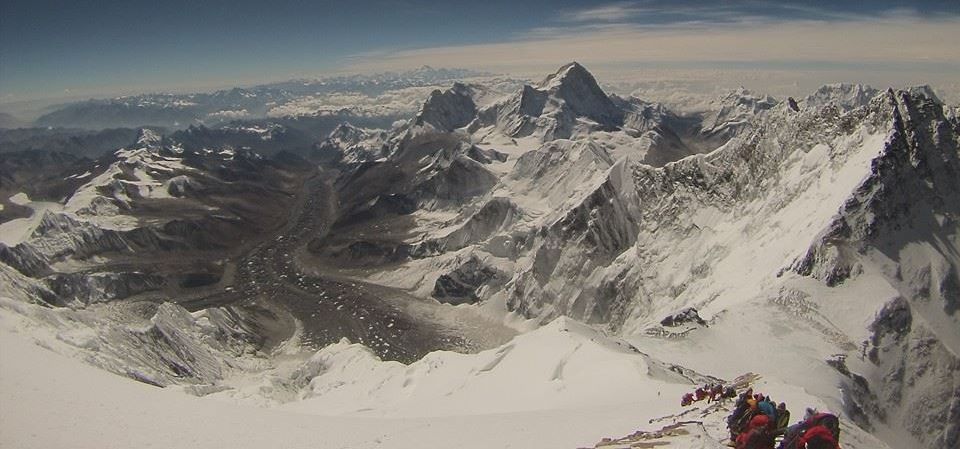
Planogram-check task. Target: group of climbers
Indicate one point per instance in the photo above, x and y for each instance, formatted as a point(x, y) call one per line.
point(711, 393)
point(757, 421)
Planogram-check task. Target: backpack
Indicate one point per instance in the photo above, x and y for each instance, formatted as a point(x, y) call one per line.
point(767, 408)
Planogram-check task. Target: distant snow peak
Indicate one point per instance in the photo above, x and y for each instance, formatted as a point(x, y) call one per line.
point(570, 71)
point(346, 131)
point(448, 110)
point(924, 91)
point(580, 92)
point(565, 104)
point(844, 96)
point(733, 112)
point(148, 138)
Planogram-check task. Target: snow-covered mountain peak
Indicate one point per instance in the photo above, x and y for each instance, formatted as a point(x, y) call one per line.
point(346, 131)
point(732, 112)
point(448, 110)
point(148, 138)
point(565, 104)
point(924, 91)
point(843, 95)
point(580, 92)
point(571, 72)
point(349, 144)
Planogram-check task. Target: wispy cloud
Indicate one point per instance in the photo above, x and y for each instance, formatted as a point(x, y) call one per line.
point(659, 14)
point(614, 12)
point(901, 40)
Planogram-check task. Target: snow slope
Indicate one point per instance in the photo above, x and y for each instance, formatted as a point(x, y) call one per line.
point(441, 401)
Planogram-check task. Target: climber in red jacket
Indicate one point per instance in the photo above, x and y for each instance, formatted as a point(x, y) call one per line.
point(817, 437)
point(759, 435)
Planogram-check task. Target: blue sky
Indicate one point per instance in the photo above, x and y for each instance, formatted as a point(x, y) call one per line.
point(54, 49)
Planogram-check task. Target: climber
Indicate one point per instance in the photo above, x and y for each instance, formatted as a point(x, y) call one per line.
point(783, 419)
point(757, 435)
point(730, 392)
point(826, 420)
point(818, 437)
point(701, 393)
point(745, 395)
point(739, 409)
point(686, 400)
point(739, 415)
point(752, 402)
point(768, 408)
point(743, 423)
point(797, 435)
point(716, 393)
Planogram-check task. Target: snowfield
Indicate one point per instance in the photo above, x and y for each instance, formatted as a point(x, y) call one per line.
point(564, 385)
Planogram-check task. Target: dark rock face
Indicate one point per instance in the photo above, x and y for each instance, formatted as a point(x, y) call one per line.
point(485, 156)
point(913, 378)
point(463, 178)
point(917, 173)
point(685, 316)
point(96, 287)
point(448, 110)
point(532, 101)
point(601, 223)
point(495, 215)
point(463, 285)
point(895, 321)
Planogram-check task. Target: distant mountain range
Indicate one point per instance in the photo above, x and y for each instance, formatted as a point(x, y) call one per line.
point(182, 110)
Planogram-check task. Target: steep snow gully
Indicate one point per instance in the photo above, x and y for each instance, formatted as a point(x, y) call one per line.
point(555, 267)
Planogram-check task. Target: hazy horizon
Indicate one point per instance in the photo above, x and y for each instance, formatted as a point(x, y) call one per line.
point(56, 52)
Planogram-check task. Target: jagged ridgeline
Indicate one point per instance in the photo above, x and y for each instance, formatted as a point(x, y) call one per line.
point(824, 227)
